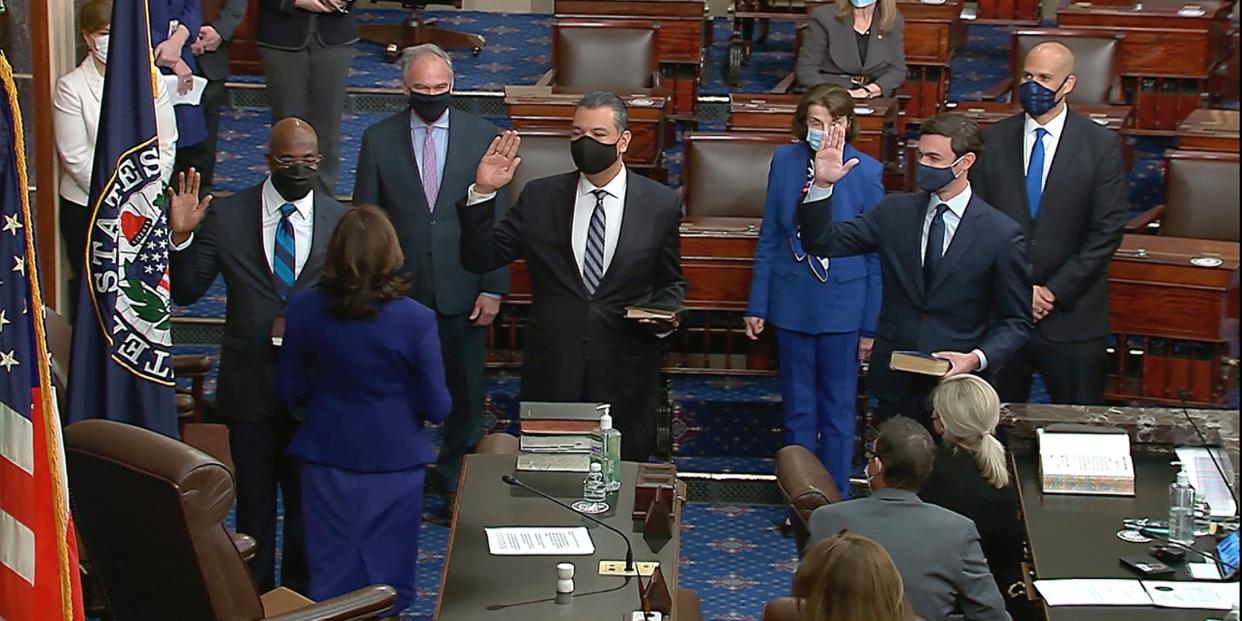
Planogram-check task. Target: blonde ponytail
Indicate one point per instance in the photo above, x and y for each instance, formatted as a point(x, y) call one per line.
point(969, 409)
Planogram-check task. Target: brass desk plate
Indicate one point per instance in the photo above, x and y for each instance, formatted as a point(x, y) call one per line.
point(617, 568)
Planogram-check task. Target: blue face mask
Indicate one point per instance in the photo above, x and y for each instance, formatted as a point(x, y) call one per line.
point(862, 4)
point(814, 138)
point(1037, 99)
point(932, 179)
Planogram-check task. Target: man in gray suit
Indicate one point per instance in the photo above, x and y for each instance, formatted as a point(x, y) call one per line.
point(936, 550)
point(211, 46)
point(268, 242)
point(416, 165)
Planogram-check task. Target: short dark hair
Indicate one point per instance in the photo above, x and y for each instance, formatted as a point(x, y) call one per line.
point(836, 99)
point(361, 267)
point(907, 451)
point(964, 133)
point(95, 15)
point(604, 99)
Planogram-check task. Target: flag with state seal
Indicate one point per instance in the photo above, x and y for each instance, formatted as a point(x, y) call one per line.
point(122, 341)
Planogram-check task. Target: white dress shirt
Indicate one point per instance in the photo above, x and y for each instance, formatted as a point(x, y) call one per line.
point(75, 120)
point(1051, 139)
point(952, 219)
point(584, 207)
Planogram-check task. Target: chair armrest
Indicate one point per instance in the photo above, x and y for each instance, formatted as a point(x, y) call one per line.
point(245, 545)
point(184, 403)
point(365, 603)
point(1140, 222)
point(998, 90)
point(785, 85)
point(192, 365)
point(804, 481)
point(547, 78)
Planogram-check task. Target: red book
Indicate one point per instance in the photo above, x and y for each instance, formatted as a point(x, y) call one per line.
point(1004, 9)
point(558, 426)
point(1145, 103)
point(1201, 380)
point(1154, 369)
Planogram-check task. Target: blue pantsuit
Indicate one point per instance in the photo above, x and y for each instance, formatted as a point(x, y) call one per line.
point(818, 309)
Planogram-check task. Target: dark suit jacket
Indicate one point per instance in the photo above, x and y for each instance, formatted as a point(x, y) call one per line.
point(1079, 224)
point(215, 65)
point(936, 550)
point(980, 299)
point(957, 485)
point(367, 386)
point(228, 243)
point(388, 176)
point(829, 52)
point(580, 346)
point(285, 27)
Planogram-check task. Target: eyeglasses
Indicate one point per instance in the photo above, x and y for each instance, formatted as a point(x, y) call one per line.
point(288, 162)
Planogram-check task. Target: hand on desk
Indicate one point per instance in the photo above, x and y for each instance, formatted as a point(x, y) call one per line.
point(829, 167)
point(1042, 302)
point(496, 169)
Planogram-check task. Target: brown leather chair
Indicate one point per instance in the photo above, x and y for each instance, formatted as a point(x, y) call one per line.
point(498, 444)
point(618, 56)
point(150, 510)
point(689, 608)
point(544, 152)
point(1200, 197)
point(806, 485)
point(1095, 64)
point(721, 176)
point(782, 609)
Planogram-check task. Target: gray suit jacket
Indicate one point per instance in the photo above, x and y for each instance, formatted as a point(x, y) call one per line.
point(215, 65)
point(829, 52)
point(388, 176)
point(228, 243)
point(936, 550)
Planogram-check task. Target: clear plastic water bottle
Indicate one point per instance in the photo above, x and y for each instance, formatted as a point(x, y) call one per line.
point(1182, 510)
point(594, 492)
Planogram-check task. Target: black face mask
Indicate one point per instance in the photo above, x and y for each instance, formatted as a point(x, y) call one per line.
point(430, 107)
point(294, 182)
point(592, 156)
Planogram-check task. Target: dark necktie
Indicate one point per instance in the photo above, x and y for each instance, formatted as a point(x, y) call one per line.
point(1035, 172)
point(935, 245)
point(284, 253)
point(593, 258)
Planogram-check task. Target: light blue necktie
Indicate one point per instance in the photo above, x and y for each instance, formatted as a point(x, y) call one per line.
point(1035, 172)
point(593, 261)
point(285, 251)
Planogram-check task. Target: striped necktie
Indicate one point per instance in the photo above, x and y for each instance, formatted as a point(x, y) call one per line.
point(593, 259)
point(284, 253)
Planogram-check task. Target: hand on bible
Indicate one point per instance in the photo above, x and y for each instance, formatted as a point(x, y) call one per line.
point(496, 169)
point(185, 210)
point(829, 167)
point(962, 363)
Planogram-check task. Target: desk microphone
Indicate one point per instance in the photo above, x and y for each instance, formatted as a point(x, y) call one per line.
point(629, 549)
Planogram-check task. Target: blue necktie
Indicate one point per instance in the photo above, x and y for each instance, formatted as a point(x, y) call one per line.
point(593, 261)
point(935, 245)
point(1035, 172)
point(285, 251)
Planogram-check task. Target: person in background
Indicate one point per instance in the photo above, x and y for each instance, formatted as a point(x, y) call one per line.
point(824, 312)
point(404, 168)
point(174, 27)
point(75, 120)
point(211, 47)
point(363, 361)
point(971, 477)
point(936, 550)
point(848, 577)
point(857, 44)
point(306, 47)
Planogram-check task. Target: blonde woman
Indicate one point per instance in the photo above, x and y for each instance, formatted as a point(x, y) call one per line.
point(849, 577)
point(971, 474)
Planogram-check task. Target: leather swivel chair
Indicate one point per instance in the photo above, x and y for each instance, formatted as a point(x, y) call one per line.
point(1200, 197)
point(1095, 64)
point(544, 152)
point(615, 56)
point(150, 510)
point(415, 30)
point(720, 180)
point(806, 486)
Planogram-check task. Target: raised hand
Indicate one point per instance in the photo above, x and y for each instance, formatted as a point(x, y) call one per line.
point(829, 167)
point(496, 169)
point(185, 210)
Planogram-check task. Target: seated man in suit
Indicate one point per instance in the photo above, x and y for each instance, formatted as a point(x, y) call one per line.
point(956, 283)
point(595, 241)
point(936, 550)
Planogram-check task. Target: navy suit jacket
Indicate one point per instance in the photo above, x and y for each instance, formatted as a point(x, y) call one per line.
point(367, 386)
point(980, 298)
point(783, 290)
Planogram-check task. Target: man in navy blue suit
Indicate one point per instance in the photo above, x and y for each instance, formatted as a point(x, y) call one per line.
point(956, 280)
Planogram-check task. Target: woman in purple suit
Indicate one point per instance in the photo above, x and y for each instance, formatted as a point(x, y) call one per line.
point(361, 362)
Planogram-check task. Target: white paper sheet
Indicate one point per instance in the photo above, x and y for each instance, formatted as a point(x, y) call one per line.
point(191, 97)
point(1208, 595)
point(1203, 571)
point(1093, 592)
point(1206, 479)
point(539, 541)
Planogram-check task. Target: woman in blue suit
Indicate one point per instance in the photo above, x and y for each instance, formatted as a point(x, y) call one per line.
point(362, 363)
point(824, 313)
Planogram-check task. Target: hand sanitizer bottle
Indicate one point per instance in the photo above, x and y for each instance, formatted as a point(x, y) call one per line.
point(610, 444)
point(1182, 509)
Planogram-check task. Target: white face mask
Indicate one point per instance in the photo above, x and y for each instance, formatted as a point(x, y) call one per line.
point(101, 48)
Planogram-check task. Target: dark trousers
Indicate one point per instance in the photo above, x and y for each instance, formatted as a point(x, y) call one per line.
point(463, 346)
point(915, 404)
point(1073, 371)
point(75, 221)
point(262, 464)
point(310, 84)
point(202, 156)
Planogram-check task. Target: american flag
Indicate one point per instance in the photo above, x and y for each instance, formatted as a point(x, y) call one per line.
point(39, 578)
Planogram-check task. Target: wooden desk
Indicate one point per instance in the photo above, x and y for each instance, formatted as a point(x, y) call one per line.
point(1209, 130)
point(877, 118)
point(1174, 321)
point(1166, 56)
point(553, 107)
point(477, 586)
point(1009, 12)
point(1090, 548)
point(680, 48)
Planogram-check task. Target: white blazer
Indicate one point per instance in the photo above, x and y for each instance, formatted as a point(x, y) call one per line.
point(79, 94)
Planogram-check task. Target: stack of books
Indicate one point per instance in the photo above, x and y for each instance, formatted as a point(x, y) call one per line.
point(557, 437)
